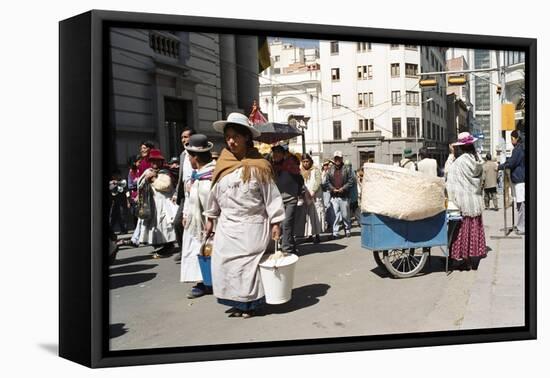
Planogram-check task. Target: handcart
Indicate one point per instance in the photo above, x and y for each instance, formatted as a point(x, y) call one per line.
point(403, 247)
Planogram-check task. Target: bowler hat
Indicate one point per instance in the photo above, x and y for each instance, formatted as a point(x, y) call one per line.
point(198, 143)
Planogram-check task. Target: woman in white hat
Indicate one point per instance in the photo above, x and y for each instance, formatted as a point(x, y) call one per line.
point(198, 149)
point(464, 190)
point(249, 209)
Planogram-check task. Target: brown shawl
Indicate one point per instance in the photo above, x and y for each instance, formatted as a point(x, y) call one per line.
point(253, 161)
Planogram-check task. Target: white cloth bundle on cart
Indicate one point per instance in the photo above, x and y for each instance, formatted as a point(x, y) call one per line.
point(401, 193)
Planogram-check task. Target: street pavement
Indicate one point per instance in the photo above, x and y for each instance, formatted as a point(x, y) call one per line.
point(338, 291)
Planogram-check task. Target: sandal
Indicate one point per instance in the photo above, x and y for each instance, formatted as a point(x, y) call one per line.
point(248, 314)
point(235, 314)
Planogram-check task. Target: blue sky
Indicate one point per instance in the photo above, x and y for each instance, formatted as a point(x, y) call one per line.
point(299, 42)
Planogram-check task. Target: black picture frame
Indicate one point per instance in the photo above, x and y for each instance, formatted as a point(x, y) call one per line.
point(83, 105)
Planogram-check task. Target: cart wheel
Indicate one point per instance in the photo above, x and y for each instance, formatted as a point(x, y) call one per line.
point(404, 263)
point(378, 259)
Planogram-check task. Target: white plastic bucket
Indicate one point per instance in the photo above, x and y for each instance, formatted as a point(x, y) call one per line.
point(278, 278)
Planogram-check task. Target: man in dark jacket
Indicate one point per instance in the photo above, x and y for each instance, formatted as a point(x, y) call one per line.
point(516, 164)
point(339, 182)
point(290, 183)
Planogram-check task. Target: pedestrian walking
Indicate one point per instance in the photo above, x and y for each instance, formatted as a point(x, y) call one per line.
point(407, 162)
point(340, 181)
point(118, 214)
point(142, 165)
point(464, 190)
point(516, 164)
point(290, 184)
point(489, 182)
point(194, 222)
point(182, 189)
point(157, 229)
point(313, 199)
point(248, 208)
point(426, 165)
point(449, 161)
point(329, 211)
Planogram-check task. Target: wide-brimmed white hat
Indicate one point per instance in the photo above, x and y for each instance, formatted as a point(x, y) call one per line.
point(237, 119)
point(465, 138)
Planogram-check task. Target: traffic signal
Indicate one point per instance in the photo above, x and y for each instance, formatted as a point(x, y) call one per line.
point(499, 89)
point(457, 80)
point(431, 82)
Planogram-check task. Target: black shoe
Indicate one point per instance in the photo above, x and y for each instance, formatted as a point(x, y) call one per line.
point(317, 239)
point(177, 257)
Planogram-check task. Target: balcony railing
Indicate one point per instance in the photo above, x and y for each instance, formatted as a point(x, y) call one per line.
point(164, 44)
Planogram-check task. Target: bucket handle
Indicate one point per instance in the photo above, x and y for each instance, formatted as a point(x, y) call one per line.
point(277, 249)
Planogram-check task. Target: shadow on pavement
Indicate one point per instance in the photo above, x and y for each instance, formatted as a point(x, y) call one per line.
point(381, 272)
point(326, 247)
point(116, 330)
point(133, 259)
point(302, 297)
point(117, 282)
point(131, 268)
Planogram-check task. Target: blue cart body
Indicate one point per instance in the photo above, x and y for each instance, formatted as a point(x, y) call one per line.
point(379, 232)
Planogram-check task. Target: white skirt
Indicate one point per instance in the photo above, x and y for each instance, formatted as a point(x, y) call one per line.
point(190, 269)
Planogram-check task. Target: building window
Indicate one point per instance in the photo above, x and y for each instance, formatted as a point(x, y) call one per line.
point(369, 99)
point(361, 72)
point(335, 73)
point(394, 47)
point(437, 109)
point(396, 127)
point(429, 129)
point(364, 46)
point(362, 124)
point(369, 71)
point(334, 49)
point(337, 130)
point(397, 158)
point(277, 58)
point(514, 57)
point(366, 124)
point(395, 97)
point(395, 71)
point(482, 94)
point(411, 47)
point(411, 69)
point(276, 71)
point(412, 98)
point(365, 99)
point(335, 101)
point(412, 127)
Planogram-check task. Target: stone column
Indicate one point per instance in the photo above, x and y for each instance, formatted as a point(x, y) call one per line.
point(228, 70)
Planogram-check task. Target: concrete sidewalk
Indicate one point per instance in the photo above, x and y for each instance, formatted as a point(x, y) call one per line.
point(497, 297)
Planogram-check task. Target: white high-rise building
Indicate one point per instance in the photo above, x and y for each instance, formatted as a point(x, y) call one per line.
point(373, 107)
point(290, 91)
point(484, 96)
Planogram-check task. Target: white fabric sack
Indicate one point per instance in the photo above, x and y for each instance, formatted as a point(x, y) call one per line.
point(401, 193)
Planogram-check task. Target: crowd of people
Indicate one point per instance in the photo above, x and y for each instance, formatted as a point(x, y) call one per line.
point(240, 200)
